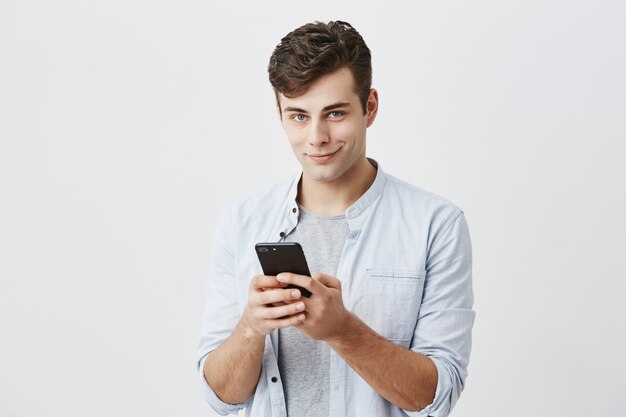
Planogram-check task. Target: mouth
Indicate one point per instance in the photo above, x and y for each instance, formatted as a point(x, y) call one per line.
point(322, 157)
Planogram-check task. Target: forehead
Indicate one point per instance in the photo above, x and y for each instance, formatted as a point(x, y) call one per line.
point(331, 88)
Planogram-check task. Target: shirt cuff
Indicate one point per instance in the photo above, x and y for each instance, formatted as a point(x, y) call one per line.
point(214, 401)
point(431, 409)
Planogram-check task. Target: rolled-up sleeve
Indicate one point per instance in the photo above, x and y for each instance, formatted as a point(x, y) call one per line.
point(214, 401)
point(444, 327)
point(221, 311)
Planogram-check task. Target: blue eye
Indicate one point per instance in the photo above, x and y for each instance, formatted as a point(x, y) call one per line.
point(335, 114)
point(299, 117)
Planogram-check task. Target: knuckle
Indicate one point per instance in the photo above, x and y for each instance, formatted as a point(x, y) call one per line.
point(261, 313)
point(254, 282)
point(274, 310)
point(253, 300)
point(262, 298)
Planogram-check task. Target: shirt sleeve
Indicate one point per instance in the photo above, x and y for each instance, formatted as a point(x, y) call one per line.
point(221, 312)
point(214, 401)
point(444, 327)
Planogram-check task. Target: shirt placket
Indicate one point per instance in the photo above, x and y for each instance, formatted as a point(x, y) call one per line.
point(270, 354)
point(274, 381)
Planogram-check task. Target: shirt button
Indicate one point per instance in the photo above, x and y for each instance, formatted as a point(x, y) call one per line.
point(282, 234)
point(274, 379)
point(293, 210)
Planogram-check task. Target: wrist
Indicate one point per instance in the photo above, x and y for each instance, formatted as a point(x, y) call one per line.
point(345, 330)
point(247, 332)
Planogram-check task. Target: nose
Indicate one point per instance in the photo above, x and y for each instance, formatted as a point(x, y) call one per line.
point(319, 134)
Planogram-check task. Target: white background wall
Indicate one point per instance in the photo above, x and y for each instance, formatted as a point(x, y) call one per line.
point(126, 126)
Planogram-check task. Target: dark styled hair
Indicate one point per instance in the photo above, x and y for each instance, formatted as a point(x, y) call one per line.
point(317, 49)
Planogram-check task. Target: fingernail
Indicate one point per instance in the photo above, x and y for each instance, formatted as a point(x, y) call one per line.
point(300, 306)
point(280, 277)
point(295, 293)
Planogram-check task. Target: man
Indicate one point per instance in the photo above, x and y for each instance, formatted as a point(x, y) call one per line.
point(387, 331)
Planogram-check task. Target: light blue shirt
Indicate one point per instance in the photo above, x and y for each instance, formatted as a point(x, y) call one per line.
point(406, 271)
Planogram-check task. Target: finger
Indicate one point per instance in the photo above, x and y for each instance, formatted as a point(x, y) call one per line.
point(282, 311)
point(286, 322)
point(262, 282)
point(284, 302)
point(278, 295)
point(282, 285)
point(327, 280)
point(299, 280)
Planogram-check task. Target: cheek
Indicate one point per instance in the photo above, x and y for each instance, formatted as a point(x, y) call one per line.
point(341, 131)
point(295, 136)
point(349, 133)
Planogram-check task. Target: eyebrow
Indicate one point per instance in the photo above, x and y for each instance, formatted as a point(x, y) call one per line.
point(325, 109)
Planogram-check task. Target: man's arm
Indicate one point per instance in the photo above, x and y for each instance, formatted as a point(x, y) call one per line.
point(432, 373)
point(231, 342)
point(403, 377)
point(232, 370)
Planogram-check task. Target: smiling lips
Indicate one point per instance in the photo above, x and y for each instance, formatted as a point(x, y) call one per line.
point(322, 157)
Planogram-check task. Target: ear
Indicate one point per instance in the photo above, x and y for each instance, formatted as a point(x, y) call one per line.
point(372, 106)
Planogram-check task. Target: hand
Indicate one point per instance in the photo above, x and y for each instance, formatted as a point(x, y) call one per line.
point(325, 313)
point(270, 307)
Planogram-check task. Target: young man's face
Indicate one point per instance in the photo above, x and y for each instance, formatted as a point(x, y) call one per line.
point(326, 126)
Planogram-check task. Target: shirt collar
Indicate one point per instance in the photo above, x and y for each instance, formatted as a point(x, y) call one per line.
point(354, 214)
point(370, 196)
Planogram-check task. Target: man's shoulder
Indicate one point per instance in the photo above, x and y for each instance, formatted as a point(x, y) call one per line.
point(414, 199)
point(412, 194)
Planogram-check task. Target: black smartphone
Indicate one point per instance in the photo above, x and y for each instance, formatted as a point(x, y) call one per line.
point(283, 257)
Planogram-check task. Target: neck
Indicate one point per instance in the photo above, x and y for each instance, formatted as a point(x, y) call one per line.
point(331, 198)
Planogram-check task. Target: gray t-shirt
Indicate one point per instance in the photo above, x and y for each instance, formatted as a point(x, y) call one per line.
point(304, 364)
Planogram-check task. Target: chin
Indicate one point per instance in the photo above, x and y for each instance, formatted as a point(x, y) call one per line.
point(320, 173)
